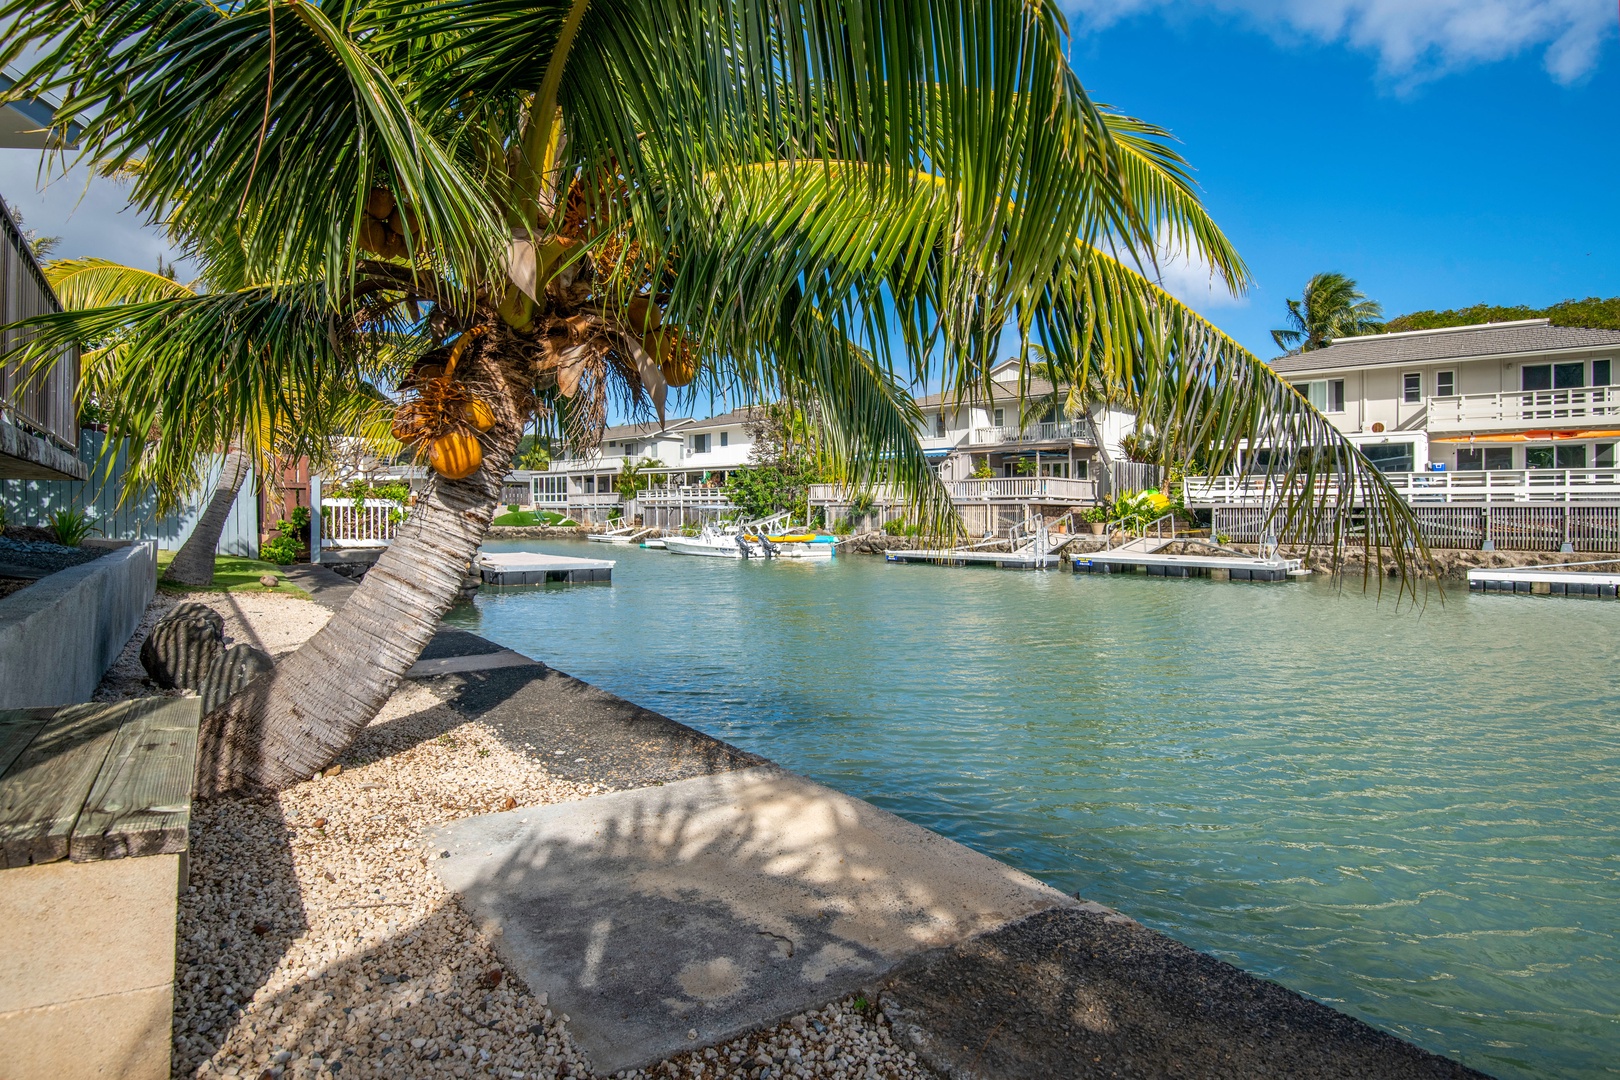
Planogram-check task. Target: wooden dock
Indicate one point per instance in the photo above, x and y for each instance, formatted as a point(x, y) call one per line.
point(533, 568)
point(1544, 581)
point(1220, 567)
point(1003, 560)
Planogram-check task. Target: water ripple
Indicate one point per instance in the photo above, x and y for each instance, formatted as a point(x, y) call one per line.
point(1411, 815)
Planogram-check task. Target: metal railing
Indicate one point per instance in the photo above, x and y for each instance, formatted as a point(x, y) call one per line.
point(1426, 488)
point(371, 523)
point(44, 404)
point(1518, 409)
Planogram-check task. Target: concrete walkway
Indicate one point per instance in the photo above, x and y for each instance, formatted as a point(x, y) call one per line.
point(690, 913)
point(716, 893)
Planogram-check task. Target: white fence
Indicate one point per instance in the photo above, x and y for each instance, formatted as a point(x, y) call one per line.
point(1518, 409)
point(372, 523)
point(1054, 489)
point(1064, 429)
point(1429, 488)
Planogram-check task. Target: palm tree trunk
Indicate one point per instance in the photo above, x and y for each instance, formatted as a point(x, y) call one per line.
point(290, 724)
point(194, 563)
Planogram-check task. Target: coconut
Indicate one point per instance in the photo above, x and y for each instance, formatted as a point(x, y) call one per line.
point(373, 236)
point(455, 456)
point(380, 203)
point(644, 315)
point(673, 355)
point(478, 414)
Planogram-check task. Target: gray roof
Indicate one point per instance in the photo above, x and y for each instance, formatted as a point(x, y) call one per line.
point(734, 418)
point(1453, 343)
point(622, 432)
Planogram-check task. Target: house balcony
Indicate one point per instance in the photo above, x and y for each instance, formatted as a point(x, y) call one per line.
point(1472, 488)
point(1520, 410)
point(1005, 489)
point(687, 496)
point(1061, 431)
point(587, 499)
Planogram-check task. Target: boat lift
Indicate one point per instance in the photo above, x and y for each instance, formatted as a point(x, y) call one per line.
point(1146, 553)
point(1037, 546)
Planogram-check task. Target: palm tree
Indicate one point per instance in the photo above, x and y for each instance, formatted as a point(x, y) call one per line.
point(570, 203)
point(118, 373)
point(1331, 308)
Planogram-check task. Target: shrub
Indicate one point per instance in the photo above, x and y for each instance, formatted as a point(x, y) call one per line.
point(300, 517)
point(895, 527)
point(1098, 513)
point(71, 526)
point(282, 550)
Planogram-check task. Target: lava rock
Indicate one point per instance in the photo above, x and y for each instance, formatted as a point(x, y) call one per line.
point(269, 581)
point(230, 671)
point(183, 646)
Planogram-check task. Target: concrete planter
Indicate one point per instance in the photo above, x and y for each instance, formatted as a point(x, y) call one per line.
point(61, 634)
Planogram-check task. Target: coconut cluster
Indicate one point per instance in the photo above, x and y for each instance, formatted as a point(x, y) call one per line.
point(385, 225)
point(442, 419)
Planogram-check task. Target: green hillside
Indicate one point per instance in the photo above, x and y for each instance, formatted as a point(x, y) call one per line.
point(1592, 312)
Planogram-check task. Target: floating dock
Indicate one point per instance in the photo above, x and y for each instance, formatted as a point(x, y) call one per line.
point(1004, 560)
point(1218, 567)
point(533, 568)
point(1544, 581)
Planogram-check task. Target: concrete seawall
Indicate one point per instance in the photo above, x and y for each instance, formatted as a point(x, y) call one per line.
point(59, 635)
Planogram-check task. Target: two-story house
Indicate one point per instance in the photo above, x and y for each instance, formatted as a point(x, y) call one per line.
point(1516, 413)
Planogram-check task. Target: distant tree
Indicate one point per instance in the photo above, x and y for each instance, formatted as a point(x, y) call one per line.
point(534, 453)
point(1331, 307)
point(43, 247)
point(1593, 313)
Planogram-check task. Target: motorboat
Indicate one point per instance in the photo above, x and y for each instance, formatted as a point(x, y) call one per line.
point(715, 544)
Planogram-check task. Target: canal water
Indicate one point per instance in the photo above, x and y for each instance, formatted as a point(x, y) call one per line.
point(1412, 814)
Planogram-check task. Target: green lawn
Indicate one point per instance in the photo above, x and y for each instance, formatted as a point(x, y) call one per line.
point(540, 517)
point(231, 574)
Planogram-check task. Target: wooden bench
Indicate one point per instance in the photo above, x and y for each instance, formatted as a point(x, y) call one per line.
point(95, 806)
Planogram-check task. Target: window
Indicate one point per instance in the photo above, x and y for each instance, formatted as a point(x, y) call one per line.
point(1603, 456)
point(1535, 377)
point(1390, 457)
point(1470, 459)
point(1498, 458)
point(1538, 457)
point(939, 425)
point(1059, 469)
point(700, 444)
point(1412, 387)
point(1569, 376)
point(1570, 457)
point(999, 417)
point(1326, 394)
point(1600, 372)
point(1080, 470)
point(1445, 384)
point(725, 438)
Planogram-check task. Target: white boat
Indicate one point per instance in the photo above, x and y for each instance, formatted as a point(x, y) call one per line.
point(713, 543)
point(617, 536)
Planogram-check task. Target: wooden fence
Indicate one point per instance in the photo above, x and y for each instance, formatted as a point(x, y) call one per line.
point(44, 404)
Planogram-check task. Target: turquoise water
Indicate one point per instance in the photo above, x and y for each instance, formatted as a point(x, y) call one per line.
point(1412, 815)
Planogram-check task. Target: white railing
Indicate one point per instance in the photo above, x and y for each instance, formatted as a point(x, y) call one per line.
point(1063, 429)
point(1022, 489)
point(1519, 409)
point(372, 523)
point(687, 495)
point(593, 498)
point(1472, 488)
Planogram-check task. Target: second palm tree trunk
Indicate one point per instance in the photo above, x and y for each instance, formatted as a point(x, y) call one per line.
point(194, 563)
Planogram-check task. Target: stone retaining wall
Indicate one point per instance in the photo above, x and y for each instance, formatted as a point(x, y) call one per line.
point(61, 634)
point(540, 532)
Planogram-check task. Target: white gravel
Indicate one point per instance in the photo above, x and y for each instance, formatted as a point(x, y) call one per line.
point(315, 941)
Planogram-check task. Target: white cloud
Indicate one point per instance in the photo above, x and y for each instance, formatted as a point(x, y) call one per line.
point(1190, 279)
point(92, 221)
point(1413, 39)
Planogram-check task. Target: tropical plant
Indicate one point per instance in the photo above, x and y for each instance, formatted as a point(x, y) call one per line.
point(1331, 307)
point(563, 204)
point(122, 309)
point(637, 476)
point(1137, 509)
point(70, 525)
point(1097, 514)
point(982, 470)
point(283, 547)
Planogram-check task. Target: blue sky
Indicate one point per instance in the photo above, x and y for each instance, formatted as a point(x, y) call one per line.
point(1437, 160)
point(1441, 152)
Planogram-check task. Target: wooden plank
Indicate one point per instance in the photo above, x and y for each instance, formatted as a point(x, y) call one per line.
point(17, 729)
point(43, 791)
point(140, 803)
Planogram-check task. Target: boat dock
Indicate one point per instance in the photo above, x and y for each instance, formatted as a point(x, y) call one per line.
point(1037, 548)
point(1146, 554)
point(1545, 581)
point(533, 568)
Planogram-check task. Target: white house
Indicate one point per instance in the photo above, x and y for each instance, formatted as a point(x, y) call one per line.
point(1516, 414)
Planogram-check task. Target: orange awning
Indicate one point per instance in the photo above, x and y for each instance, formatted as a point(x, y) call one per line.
point(1532, 436)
